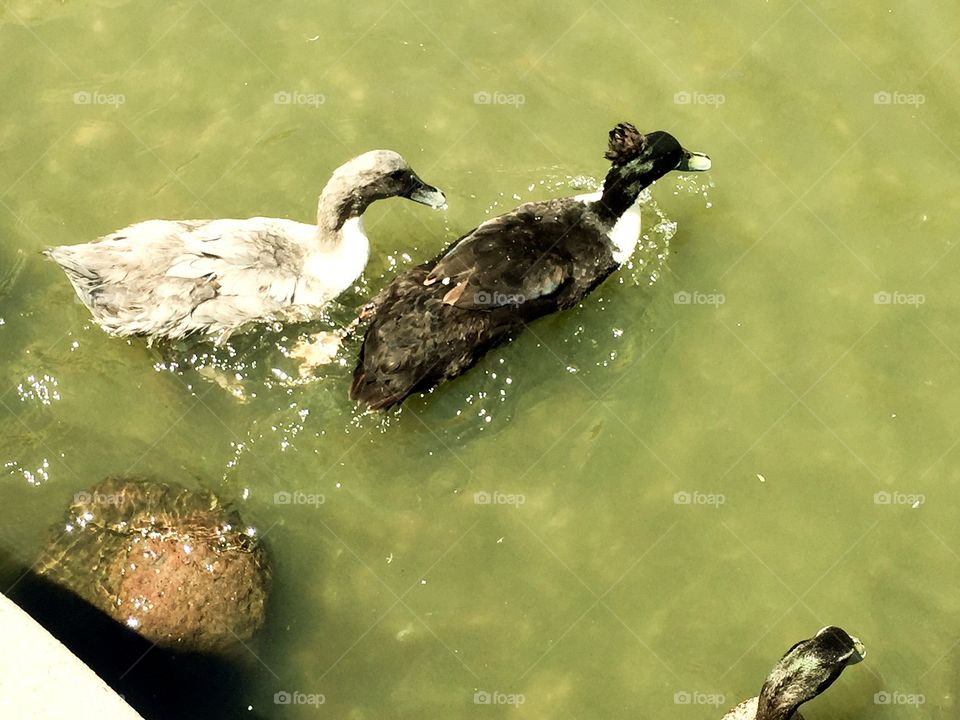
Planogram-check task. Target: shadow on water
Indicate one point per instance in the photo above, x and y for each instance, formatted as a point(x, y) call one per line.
point(159, 684)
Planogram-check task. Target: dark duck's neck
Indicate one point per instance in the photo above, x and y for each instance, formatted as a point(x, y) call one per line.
point(807, 669)
point(621, 188)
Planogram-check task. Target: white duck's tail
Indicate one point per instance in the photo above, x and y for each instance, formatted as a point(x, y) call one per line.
point(85, 279)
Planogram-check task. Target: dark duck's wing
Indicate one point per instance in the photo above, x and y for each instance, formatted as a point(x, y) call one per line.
point(439, 318)
point(531, 252)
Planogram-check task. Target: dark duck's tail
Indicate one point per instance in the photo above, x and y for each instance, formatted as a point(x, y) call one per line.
point(376, 395)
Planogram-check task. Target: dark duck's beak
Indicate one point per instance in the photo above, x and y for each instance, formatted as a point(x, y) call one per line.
point(694, 162)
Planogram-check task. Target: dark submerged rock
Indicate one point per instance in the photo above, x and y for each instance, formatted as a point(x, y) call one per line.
point(168, 562)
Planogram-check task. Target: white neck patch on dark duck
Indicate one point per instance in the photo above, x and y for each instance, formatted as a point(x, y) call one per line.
point(625, 234)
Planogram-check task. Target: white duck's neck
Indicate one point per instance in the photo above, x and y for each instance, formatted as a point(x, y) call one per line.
point(341, 248)
point(340, 201)
point(341, 258)
point(332, 215)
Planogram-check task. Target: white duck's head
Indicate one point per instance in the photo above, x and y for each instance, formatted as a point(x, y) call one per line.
point(375, 175)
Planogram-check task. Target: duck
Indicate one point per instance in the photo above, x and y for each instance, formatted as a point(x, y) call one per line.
point(167, 279)
point(805, 671)
point(435, 321)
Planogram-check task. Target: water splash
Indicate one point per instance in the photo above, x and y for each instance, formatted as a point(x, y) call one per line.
point(695, 184)
point(35, 477)
point(260, 360)
point(43, 390)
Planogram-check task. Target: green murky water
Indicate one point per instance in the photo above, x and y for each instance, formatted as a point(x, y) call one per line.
point(811, 423)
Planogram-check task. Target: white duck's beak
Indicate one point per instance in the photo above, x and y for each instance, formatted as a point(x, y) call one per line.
point(425, 194)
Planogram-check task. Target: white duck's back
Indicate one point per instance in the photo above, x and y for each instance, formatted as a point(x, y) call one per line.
point(172, 278)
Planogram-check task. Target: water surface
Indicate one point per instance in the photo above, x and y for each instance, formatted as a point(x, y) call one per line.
point(803, 402)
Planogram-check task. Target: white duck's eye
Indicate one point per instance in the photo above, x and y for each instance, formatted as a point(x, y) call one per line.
point(397, 174)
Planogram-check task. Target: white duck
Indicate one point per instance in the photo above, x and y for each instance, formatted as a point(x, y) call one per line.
point(172, 278)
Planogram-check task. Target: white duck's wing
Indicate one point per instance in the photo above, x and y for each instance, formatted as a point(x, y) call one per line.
point(255, 265)
point(171, 278)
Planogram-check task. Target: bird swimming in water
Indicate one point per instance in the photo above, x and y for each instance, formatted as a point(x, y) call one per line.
point(172, 278)
point(433, 322)
point(805, 671)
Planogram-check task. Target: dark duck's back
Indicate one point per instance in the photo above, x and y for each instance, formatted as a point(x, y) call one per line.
point(435, 321)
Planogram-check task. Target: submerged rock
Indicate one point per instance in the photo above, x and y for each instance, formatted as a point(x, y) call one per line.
point(168, 562)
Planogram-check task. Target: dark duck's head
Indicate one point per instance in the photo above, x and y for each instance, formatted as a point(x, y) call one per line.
point(638, 161)
point(375, 175)
point(805, 671)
